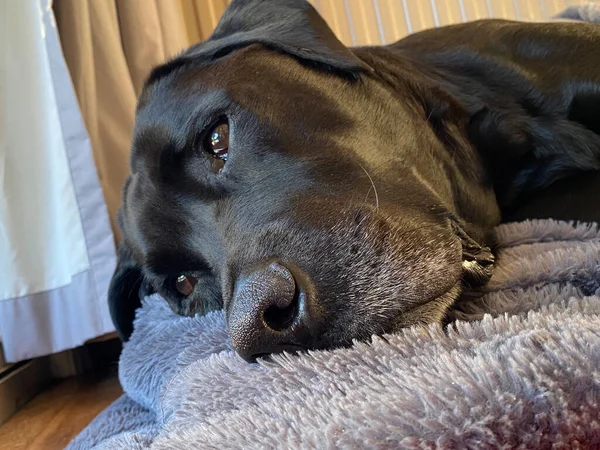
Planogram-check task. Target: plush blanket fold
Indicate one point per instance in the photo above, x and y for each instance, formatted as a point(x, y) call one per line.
point(525, 374)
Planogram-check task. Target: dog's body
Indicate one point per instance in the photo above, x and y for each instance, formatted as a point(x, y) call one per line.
point(361, 186)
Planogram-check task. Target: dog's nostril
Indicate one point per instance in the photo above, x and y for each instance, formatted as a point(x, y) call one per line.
point(280, 319)
point(269, 312)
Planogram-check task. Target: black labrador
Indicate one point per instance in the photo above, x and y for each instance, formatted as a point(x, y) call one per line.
point(320, 194)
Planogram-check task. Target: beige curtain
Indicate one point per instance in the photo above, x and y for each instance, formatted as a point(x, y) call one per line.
point(110, 46)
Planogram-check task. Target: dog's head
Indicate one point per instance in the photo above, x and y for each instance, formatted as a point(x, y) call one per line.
point(273, 176)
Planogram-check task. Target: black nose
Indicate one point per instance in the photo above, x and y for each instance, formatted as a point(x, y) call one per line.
point(268, 313)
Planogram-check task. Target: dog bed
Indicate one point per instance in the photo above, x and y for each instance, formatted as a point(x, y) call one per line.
point(519, 369)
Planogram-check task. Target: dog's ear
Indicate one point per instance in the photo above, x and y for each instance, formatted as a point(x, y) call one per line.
point(290, 26)
point(477, 260)
point(125, 292)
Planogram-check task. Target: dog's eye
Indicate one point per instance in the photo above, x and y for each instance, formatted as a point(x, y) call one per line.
point(184, 284)
point(217, 140)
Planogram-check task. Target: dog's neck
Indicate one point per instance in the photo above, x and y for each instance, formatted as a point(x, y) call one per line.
point(420, 90)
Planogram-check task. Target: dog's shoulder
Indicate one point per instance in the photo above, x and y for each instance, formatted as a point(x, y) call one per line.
point(530, 93)
point(497, 34)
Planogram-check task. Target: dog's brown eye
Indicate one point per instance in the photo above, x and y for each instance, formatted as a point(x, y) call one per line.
point(218, 140)
point(185, 284)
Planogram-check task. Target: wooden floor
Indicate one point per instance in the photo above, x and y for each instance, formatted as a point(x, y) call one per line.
point(55, 416)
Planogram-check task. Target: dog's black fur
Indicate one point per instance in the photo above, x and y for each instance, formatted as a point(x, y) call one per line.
point(375, 174)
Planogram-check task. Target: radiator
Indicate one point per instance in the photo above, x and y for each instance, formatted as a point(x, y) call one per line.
point(372, 22)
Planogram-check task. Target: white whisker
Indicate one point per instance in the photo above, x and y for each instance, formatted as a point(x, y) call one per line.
point(374, 188)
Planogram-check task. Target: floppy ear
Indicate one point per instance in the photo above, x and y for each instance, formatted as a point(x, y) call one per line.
point(290, 26)
point(125, 292)
point(477, 260)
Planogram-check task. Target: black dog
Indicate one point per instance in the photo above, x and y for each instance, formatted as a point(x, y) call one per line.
point(320, 194)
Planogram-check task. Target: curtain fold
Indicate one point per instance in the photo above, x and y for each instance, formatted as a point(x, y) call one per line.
point(89, 32)
point(56, 246)
point(110, 47)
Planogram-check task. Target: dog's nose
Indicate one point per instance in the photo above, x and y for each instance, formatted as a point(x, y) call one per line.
point(268, 313)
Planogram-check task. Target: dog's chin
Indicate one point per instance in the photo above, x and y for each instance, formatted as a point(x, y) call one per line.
point(432, 311)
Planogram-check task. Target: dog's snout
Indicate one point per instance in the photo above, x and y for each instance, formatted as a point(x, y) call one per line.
point(268, 313)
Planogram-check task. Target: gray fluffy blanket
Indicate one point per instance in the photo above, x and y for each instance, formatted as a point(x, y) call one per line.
point(522, 372)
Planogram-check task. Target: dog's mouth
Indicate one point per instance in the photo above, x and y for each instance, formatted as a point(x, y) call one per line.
point(431, 311)
point(281, 347)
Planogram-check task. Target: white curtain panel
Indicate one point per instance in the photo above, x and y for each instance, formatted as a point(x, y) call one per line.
point(57, 250)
